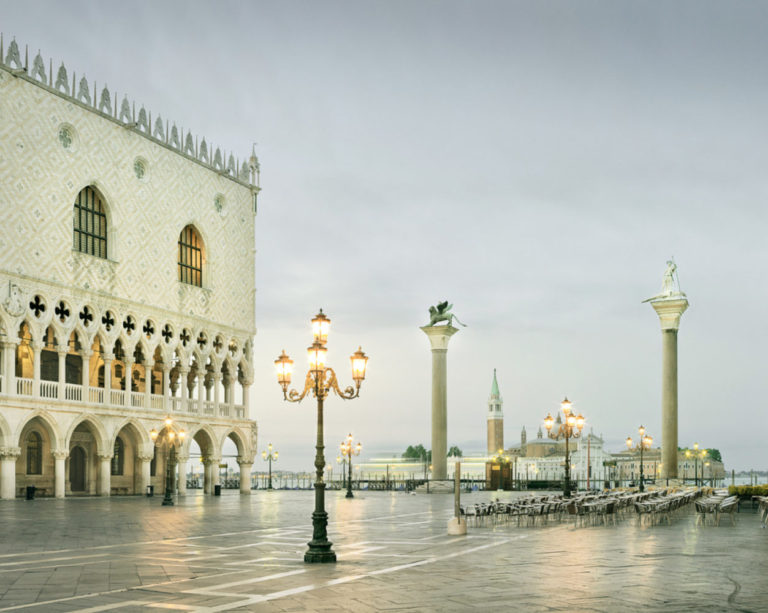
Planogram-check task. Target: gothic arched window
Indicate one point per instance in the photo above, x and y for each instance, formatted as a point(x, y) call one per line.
point(90, 224)
point(34, 454)
point(118, 457)
point(191, 257)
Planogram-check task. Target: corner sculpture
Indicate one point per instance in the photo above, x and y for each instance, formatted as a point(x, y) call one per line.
point(442, 313)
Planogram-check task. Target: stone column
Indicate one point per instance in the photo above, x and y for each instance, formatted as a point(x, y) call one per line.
point(108, 357)
point(9, 368)
point(128, 382)
point(181, 480)
point(105, 475)
point(669, 310)
point(59, 473)
point(207, 488)
point(8, 456)
point(62, 352)
point(438, 339)
point(147, 384)
point(37, 348)
point(246, 398)
point(201, 389)
point(183, 374)
point(216, 391)
point(85, 380)
point(144, 477)
point(166, 388)
point(245, 475)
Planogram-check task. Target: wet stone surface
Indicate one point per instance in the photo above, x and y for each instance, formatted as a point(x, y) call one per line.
point(245, 553)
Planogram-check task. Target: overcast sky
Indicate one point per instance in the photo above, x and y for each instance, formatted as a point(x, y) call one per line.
point(535, 163)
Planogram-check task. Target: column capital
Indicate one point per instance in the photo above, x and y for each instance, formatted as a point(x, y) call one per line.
point(60, 454)
point(670, 310)
point(108, 357)
point(86, 352)
point(182, 458)
point(10, 452)
point(8, 342)
point(439, 336)
point(37, 345)
point(245, 460)
point(105, 457)
point(62, 349)
point(145, 457)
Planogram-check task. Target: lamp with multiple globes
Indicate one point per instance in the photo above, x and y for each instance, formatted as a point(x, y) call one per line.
point(696, 454)
point(269, 456)
point(348, 450)
point(168, 439)
point(570, 428)
point(644, 442)
point(320, 381)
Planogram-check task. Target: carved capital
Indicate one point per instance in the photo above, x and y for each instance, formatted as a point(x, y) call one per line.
point(146, 458)
point(62, 350)
point(60, 454)
point(10, 452)
point(108, 357)
point(105, 458)
point(182, 458)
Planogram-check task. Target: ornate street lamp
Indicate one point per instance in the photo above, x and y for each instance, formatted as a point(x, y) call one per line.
point(644, 442)
point(269, 456)
point(320, 380)
point(168, 438)
point(570, 428)
point(348, 450)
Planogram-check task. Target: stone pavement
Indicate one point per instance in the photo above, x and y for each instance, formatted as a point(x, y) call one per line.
point(244, 553)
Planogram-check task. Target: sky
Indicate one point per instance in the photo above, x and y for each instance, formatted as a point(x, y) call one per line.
point(534, 163)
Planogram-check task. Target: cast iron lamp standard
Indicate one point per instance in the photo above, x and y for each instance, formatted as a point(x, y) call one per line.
point(644, 442)
point(568, 430)
point(348, 450)
point(269, 457)
point(169, 438)
point(320, 380)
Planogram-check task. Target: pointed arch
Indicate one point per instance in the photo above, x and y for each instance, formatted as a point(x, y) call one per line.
point(205, 437)
point(100, 433)
point(240, 440)
point(48, 422)
point(91, 223)
point(136, 427)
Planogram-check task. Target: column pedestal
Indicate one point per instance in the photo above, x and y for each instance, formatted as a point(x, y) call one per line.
point(144, 473)
point(438, 339)
point(8, 457)
point(669, 310)
point(181, 480)
point(59, 479)
point(245, 477)
point(105, 475)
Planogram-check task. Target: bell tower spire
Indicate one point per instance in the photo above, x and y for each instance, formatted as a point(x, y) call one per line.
point(495, 418)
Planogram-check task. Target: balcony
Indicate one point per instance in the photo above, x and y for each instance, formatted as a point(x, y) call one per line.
point(71, 393)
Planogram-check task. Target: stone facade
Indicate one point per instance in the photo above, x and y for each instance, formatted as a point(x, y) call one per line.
point(95, 352)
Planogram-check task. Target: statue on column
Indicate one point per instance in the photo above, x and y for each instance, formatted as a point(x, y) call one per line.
point(670, 284)
point(441, 312)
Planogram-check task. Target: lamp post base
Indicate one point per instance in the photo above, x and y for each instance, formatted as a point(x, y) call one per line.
point(349, 494)
point(167, 502)
point(319, 551)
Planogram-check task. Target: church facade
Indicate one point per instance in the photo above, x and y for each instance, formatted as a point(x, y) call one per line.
point(126, 291)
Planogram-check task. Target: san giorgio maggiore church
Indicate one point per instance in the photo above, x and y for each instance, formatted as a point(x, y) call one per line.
point(126, 290)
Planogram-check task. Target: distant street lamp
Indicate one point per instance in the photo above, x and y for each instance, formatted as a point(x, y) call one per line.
point(348, 450)
point(343, 462)
point(168, 439)
point(320, 380)
point(644, 442)
point(571, 428)
point(696, 453)
point(269, 456)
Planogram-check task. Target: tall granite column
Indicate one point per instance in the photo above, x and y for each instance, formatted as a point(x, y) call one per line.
point(669, 310)
point(438, 339)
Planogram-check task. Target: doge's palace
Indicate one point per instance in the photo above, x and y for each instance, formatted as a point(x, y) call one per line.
point(126, 290)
